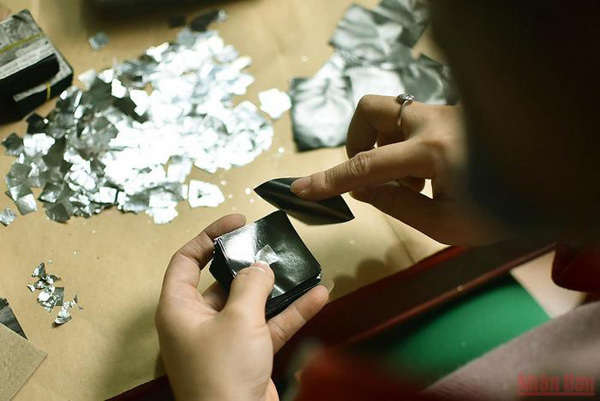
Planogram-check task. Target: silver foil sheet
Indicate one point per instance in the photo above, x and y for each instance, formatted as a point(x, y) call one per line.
point(322, 107)
point(372, 55)
point(412, 15)
point(426, 79)
point(13, 144)
point(131, 137)
point(371, 79)
point(364, 36)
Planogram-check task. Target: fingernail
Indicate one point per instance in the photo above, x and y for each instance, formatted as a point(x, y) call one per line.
point(263, 266)
point(300, 185)
point(329, 284)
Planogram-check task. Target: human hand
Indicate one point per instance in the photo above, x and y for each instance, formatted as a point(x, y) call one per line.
point(392, 175)
point(216, 347)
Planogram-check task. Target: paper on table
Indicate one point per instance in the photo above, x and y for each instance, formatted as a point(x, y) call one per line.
point(19, 359)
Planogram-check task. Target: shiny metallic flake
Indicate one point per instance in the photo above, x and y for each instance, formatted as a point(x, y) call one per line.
point(98, 41)
point(40, 271)
point(50, 296)
point(7, 216)
point(63, 315)
point(274, 102)
point(26, 204)
point(132, 136)
point(87, 78)
point(204, 194)
point(162, 215)
point(179, 168)
point(13, 144)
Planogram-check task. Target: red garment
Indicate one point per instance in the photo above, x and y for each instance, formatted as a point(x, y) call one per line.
point(332, 376)
point(577, 269)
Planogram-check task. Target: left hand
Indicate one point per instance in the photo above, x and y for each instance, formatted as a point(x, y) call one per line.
point(219, 348)
point(388, 168)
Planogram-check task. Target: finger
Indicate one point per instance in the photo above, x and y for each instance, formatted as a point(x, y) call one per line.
point(249, 291)
point(184, 267)
point(443, 220)
point(215, 296)
point(288, 322)
point(376, 121)
point(414, 183)
point(366, 169)
point(375, 118)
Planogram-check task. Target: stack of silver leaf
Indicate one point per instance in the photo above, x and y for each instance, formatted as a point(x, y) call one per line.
point(131, 137)
point(372, 56)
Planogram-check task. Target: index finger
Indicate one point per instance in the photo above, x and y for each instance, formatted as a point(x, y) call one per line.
point(185, 265)
point(374, 121)
point(367, 169)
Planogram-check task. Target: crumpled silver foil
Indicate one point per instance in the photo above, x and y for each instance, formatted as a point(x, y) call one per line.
point(64, 314)
point(412, 15)
point(98, 41)
point(426, 79)
point(365, 36)
point(372, 56)
point(274, 102)
point(204, 194)
point(322, 106)
point(130, 138)
point(7, 216)
point(50, 296)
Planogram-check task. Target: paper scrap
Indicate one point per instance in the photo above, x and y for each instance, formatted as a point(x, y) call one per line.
point(20, 358)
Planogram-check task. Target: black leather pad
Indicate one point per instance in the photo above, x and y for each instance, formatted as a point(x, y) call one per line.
point(328, 211)
point(274, 240)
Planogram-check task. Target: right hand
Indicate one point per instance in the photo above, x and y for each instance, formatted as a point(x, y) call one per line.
point(219, 347)
point(392, 175)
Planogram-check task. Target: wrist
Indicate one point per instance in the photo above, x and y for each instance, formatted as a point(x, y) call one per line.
point(210, 394)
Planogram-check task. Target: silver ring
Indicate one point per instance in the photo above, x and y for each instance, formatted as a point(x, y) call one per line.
point(404, 99)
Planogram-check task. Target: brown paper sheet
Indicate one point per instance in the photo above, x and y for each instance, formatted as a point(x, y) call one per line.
point(18, 360)
point(115, 262)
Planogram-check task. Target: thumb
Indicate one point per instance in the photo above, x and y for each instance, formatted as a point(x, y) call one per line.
point(250, 289)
